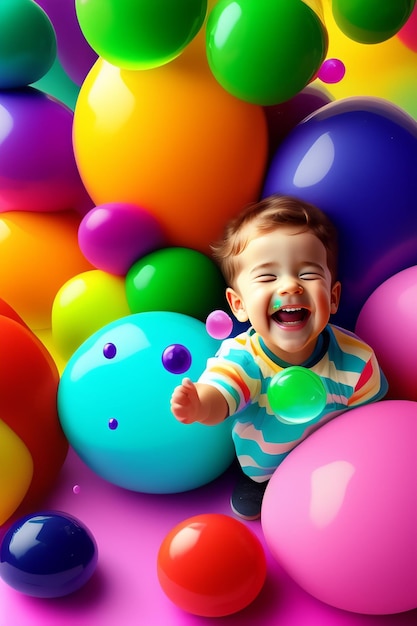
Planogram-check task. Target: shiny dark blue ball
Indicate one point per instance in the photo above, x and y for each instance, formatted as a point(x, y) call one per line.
point(47, 555)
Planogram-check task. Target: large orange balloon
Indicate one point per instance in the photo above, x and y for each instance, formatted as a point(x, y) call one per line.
point(172, 140)
point(38, 253)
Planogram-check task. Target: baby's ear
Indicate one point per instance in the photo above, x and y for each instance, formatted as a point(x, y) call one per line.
point(335, 297)
point(236, 304)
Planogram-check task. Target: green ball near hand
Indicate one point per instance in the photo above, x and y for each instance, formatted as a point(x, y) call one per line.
point(296, 395)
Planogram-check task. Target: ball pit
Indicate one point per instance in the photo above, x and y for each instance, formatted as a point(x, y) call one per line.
point(172, 140)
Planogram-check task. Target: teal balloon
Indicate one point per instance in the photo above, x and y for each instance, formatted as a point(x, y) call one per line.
point(296, 395)
point(140, 34)
point(175, 279)
point(371, 21)
point(264, 52)
point(27, 43)
point(114, 406)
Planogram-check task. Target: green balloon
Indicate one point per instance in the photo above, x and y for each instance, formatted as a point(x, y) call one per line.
point(180, 280)
point(296, 395)
point(140, 34)
point(371, 21)
point(264, 52)
point(27, 43)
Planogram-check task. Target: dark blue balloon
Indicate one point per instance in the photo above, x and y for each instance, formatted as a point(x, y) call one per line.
point(356, 159)
point(47, 555)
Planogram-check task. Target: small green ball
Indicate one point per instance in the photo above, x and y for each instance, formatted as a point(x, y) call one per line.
point(296, 395)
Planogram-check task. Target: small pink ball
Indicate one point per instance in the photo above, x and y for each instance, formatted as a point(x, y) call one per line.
point(219, 324)
point(331, 71)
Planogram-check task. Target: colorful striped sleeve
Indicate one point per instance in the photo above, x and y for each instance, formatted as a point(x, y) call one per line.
point(371, 386)
point(234, 373)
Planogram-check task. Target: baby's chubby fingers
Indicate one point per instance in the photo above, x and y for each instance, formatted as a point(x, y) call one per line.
point(183, 401)
point(181, 393)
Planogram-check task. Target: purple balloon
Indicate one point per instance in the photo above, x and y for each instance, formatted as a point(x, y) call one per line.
point(356, 159)
point(38, 171)
point(75, 54)
point(283, 118)
point(113, 236)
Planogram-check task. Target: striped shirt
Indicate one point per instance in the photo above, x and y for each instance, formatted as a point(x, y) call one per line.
point(242, 370)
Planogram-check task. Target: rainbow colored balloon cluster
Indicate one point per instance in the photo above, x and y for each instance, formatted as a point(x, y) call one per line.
point(130, 132)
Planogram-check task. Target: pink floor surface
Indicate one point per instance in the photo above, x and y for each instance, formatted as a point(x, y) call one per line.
point(129, 528)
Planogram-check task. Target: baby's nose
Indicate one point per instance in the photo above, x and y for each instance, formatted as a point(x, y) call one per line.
point(289, 284)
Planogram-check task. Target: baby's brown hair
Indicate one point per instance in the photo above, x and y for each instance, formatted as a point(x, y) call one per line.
point(267, 215)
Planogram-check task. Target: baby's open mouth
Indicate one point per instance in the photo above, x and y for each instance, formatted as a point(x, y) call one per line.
point(291, 316)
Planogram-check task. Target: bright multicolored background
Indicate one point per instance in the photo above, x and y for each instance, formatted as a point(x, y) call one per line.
point(168, 151)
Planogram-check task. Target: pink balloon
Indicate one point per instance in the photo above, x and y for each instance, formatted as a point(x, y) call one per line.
point(113, 236)
point(388, 322)
point(340, 513)
point(408, 33)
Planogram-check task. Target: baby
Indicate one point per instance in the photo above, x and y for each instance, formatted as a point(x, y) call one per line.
point(279, 260)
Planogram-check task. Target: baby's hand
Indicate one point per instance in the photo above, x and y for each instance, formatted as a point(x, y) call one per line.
point(185, 403)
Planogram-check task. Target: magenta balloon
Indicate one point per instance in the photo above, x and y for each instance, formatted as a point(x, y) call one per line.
point(408, 33)
point(74, 52)
point(113, 236)
point(37, 165)
point(340, 515)
point(393, 336)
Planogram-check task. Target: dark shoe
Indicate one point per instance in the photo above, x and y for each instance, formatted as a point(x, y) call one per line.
point(246, 500)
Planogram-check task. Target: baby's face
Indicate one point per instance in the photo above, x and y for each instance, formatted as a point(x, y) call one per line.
point(284, 288)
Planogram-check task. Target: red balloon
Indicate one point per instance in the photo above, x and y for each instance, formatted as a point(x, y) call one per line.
point(28, 390)
point(211, 565)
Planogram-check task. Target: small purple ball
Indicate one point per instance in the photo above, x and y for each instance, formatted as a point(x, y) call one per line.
point(176, 358)
point(109, 350)
point(113, 423)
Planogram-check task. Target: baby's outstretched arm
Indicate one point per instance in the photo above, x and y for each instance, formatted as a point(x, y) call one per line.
point(195, 402)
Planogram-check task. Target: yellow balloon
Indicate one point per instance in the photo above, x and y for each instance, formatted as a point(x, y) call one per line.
point(38, 253)
point(173, 141)
point(16, 471)
point(84, 304)
point(372, 69)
